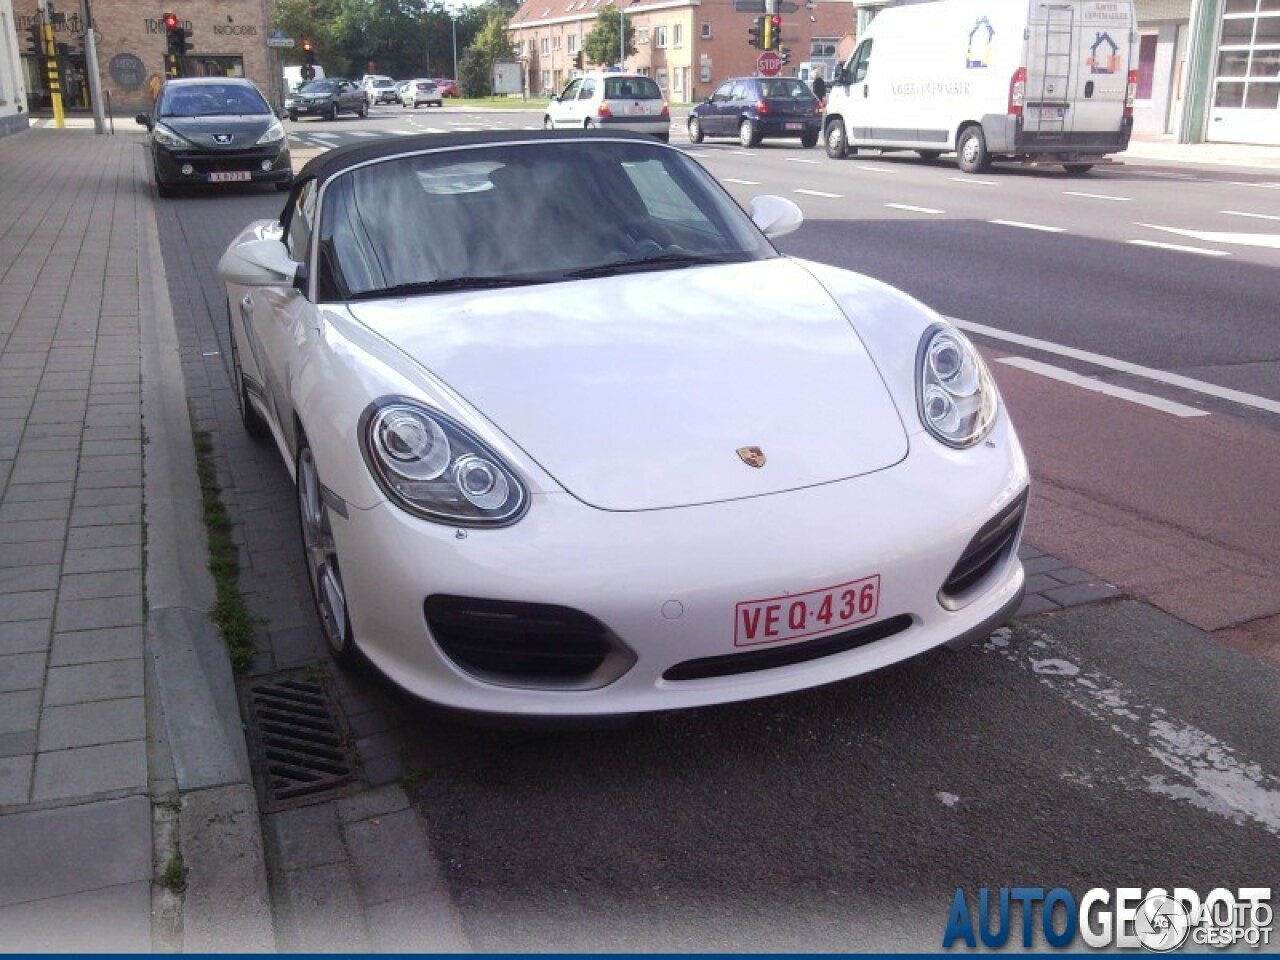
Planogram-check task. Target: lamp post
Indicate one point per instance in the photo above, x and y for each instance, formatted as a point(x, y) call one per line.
point(622, 35)
point(453, 20)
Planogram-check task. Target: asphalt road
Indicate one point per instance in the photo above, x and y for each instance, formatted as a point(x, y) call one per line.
point(1110, 745)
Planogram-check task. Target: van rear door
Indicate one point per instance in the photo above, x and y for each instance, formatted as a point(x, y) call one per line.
point(1078, 56)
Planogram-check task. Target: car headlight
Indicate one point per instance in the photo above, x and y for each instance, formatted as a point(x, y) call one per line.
point(956, 395)
point(167, 138)
point(434, 468)
point(274, 134)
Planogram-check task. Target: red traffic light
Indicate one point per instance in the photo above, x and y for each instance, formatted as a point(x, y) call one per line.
point(171, 21)
point(306, 45)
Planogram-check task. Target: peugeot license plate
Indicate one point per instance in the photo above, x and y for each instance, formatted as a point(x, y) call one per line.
point(795, 126)
point(230, 176)
point(804, 614)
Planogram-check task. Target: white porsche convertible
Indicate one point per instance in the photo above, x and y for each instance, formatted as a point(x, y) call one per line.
point(570, 436)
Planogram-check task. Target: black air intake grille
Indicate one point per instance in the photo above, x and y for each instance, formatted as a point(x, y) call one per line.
point(989, 546)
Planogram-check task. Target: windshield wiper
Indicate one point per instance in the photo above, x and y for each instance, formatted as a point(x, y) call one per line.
point(448, 283)
point(660, 261)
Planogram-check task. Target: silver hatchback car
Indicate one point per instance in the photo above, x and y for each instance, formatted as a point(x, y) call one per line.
point(618, 101)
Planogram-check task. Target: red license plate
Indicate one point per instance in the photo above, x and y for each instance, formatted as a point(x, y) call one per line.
point(805, 614)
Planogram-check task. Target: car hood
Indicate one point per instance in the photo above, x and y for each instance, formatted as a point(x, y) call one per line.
point(650, 391)
point(240, 132)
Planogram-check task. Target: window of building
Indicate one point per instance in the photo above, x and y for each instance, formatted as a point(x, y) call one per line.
point(642, 35)
point(677, 35)
point(660, 37)
point(706, 31)
point(555, 42)
point(546, 45)
point(823, 47)
point(1146, 65)
point(573, 43)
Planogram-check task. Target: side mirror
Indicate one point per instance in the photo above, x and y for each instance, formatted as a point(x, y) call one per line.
point(144, 119)
point(775, 216)
point(842, 75)
point(258, 263)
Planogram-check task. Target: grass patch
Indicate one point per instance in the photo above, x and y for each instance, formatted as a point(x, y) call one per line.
point(229, 613)
point(174, 878)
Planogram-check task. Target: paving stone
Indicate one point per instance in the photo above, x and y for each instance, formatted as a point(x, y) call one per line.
point(1034, 604)
point(108, 496)
point(28, 531)
point(15, 787)
point(116, 535)
point(33, 605)
point(35, 510)
point(21, 579)
point(21, 671)
point(92, 724)
point(25, 636)
point(19, 711)
point(23, 492)
point(111, 920)
point(103, 612)
point(32, 553)
point(320, 911)
point(99, 559)
point(1072, 575)
point(1041, 582)
point(19, 744)
point(1081, 593)
point(391, 855)
point(372, 803)
point(1041, 564)
point(90, 586)
point(86, 771)
point(98, 516)
point(88, 682)
point(424, 923)
point(304, 837)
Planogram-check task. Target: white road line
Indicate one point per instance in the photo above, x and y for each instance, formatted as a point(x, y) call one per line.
point(871, 169)
point(1180, 248)
point(362, 133)
point(1028, 226)
point(1271, 240)
point(976, 183)
point(698, 153)
point(1123, 366)
point(911, 209)
point(740, 153)
point(745, 183)
point(1092, 196)
point(405, 133)
point(321, 135)
point(1264, 186)
point(1172, 176)
point(800, 160)
point(1097, 386)
point(1241, 213)
point(818, 193)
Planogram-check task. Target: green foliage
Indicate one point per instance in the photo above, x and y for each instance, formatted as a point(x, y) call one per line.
point(600, 46)
point(474, 77)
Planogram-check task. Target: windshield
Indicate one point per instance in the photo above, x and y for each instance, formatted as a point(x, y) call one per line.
point(524, 213)
point(318, 86)
point(208, 99)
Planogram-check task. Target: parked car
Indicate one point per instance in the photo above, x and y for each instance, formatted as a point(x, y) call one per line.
point(421, 91)
point(448, 88)
point(381, 90)
point(549, 464)
point(619, 101)
point(327, 98)
point(758, 108)
point(210, 131)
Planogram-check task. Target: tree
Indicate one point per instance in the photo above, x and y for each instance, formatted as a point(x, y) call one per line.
point(474, 76)
point(601, 45)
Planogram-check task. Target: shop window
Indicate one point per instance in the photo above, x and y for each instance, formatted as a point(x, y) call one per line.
point(1262, 96)
point(1230, 94)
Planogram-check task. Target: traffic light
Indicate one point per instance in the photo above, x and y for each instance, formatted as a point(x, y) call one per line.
point(755, 33)
point(35, 39)
point(785, 53)
point(774, 31)
point(175, 35)
point(766, 36)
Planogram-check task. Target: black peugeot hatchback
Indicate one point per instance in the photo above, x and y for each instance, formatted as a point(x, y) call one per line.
point(215, 130)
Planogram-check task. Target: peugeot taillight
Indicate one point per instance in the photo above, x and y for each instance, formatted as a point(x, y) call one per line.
point(1130, 93)
point(666, 112)
point(762, 106)
point(1017, 92)
point(603, 110)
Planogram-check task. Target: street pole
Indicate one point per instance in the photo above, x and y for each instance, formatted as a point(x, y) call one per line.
point(91, 67)
point(454, 21)
point(622, 35)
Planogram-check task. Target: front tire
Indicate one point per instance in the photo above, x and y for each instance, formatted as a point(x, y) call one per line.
point(547, 124)
point(837, 143)
point(333, 111)
point(972, 150)
point(748, 133)
point(293, 116)
point(695, 131)
point(1076, 169)
point(320, 557)
point(364, 109)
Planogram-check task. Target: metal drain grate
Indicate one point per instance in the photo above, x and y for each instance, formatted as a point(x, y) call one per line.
point(300, 752)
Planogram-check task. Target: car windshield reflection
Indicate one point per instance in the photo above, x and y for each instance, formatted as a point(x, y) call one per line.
point(524, 213)
point(212, 100)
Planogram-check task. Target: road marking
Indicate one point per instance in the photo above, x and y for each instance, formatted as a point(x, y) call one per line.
point(740, 153)
point(362, 133)
point(1172, 176)
point(405, 133)
point(1180, 248)
point(1092, 196)
point(911, 209)
point(745, 183)
point(871, 169)
point(976, 183)
point(1269, 240)
point(818, 193)
point(1123, 366)
point(321, 135)
point(698, 153)
point(1029, 226)
point(1241, 213)
point(800, 160)
point(1098, 386)
point(1264, 186)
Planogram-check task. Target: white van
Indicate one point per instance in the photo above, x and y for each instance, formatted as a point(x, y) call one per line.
point(991, 80)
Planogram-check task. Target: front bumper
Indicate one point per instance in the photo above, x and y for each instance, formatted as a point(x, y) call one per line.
point(665, 585)
point(198, 167)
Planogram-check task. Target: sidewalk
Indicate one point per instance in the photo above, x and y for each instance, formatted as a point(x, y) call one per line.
point(120, 740)
point(120, 736)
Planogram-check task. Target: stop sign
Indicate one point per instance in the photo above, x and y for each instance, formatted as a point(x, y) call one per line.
point(768, 64)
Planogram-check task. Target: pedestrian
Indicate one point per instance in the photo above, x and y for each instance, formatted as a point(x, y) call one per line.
point(819, 87)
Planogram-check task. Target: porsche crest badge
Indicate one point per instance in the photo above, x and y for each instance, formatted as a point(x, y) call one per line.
point(752, 456)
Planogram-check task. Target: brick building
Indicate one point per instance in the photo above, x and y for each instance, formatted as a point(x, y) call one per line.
point(225, 38)
point(687, 46)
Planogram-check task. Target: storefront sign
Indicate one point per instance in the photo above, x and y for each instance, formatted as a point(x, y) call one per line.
point(127, 71)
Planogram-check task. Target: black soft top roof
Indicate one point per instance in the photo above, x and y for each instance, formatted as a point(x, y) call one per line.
point(329, 164)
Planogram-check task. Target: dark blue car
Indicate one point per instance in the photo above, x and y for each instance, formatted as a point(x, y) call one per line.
point(757, 108)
